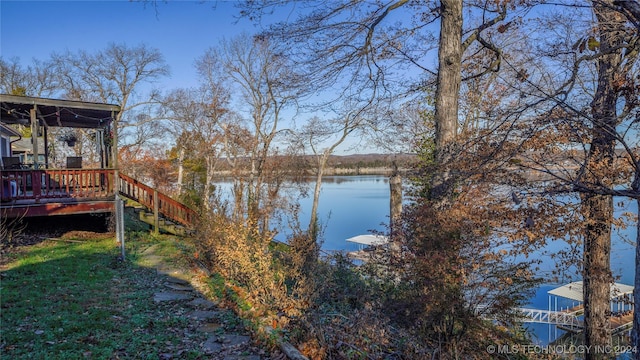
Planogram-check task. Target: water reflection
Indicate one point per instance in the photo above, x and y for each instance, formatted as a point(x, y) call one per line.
point(355, 205)
point(349, 206)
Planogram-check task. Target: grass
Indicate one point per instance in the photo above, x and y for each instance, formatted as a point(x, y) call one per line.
point(78, 300)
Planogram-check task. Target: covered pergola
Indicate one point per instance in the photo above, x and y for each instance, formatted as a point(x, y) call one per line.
point(40, 114)
point(31, 187)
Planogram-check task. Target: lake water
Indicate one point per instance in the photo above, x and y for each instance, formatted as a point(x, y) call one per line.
point(355, 205)
point(349, 206)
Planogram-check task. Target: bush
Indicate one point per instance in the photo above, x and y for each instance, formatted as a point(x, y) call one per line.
point(243, 257)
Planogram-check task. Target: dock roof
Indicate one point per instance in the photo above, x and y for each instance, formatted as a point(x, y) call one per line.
point(573, 291)
point(369, 240)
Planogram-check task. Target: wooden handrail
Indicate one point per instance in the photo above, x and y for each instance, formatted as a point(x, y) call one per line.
point(144, 194)
point(58, 183)
point(27, 184)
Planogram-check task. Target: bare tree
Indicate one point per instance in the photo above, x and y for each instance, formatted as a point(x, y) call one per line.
point(114, 75)
point(182, 109)
point(267, 86)
point(197, 115)
point(38, 79)
point(237, 145)
point(322, 137)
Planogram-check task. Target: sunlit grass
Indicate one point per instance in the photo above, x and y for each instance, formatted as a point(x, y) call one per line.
point(78, 300)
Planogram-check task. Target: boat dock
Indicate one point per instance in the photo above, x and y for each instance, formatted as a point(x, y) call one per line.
point(366, 245)
point(570, 319)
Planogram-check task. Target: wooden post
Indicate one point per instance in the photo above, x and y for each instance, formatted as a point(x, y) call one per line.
point(156, 216)
point(395, 205)
point(46, 146)
point(34, 136)
point(395, 198)
point(116, 182)
point(119, 204)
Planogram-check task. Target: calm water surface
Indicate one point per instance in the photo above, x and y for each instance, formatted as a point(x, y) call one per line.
point(350, 206)
point(355, 205)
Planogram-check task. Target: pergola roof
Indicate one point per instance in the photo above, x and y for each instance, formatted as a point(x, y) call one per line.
point(53, 112)
point(573, 291)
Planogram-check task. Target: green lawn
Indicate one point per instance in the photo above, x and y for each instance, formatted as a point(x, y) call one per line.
point(63, 300)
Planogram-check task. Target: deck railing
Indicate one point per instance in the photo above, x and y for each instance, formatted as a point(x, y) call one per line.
point(156, 200)
point(57, 184)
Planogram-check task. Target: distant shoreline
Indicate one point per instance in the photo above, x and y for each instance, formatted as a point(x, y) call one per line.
point(333, 171)
point(341, 165)
point(382, 171)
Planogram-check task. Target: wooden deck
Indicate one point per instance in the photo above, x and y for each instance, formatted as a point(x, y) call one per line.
point(617, 324)
point(621, 322)
point(49, 207)
point(27, 193)
point(56, 192)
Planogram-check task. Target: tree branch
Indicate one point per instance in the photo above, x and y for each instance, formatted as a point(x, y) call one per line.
point(377, 21)
point(475, 34)
point(631, 9)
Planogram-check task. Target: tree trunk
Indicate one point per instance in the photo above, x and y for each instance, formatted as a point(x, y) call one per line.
point(635, 341)
point(313, 221)
point(210, 161)
point(395, 201)
point(597, 278)
point(310, 249)
point(395, 210)
point(636, 290)
point(449, 73)
point(598, 209)
point(238, 197)
point(448, 90)
point(251, 211)
point(181, 155)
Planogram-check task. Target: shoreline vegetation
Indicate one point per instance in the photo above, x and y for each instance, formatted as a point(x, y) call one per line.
point(381, 171)
point(384, 165)
point(347, 165)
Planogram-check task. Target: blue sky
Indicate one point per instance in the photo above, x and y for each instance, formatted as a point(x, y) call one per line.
point(181, 30)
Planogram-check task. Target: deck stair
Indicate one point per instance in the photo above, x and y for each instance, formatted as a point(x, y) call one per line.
point(46, 192)
point(158, 209)
point(164, 225)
